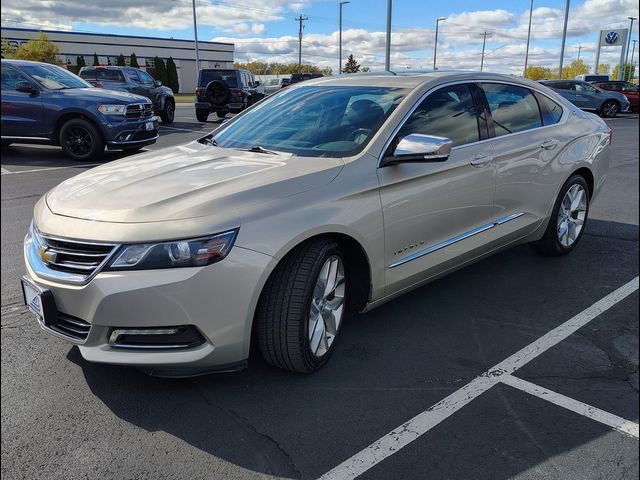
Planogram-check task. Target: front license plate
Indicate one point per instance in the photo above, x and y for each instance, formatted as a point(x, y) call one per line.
point(149, 126)
point(39, 301)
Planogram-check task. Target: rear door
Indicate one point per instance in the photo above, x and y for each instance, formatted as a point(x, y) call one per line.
point(591, 96)
point(21, 111)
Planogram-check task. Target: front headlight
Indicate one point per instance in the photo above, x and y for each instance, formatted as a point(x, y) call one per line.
point(180, 253)
point(112, 109)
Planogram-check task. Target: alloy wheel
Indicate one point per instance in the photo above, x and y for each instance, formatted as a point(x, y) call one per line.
point(78, 140)
point(572, 215)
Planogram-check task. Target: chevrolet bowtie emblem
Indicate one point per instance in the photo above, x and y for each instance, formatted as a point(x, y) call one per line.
point(46, 255)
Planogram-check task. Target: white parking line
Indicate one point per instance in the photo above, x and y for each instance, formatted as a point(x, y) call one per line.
point(425, 421)
point(617, 423)
point(8, 172)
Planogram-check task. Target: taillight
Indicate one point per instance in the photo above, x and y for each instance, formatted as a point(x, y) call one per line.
point(198, 92)
point(239, 93)
point(99, 85)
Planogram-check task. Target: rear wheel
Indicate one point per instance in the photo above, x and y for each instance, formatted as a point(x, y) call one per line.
point(80, 140)
point(610, 108)
point(202, 114)
point(168, 114)
point(302, 307)
point(568, 219)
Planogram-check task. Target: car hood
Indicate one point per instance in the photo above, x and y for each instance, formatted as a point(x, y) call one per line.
point(101, 95)
point(187, 181)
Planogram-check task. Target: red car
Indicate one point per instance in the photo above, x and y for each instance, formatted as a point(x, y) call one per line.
point(629, 90)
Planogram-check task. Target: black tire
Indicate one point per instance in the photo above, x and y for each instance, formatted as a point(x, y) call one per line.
point(202, 114)
point(549, 244)
point(80, 140)
point(218, 93)
point(610, 109)
point(282, 314)
point(168, 114)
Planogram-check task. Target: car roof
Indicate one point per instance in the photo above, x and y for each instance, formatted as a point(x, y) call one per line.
point(13, 61)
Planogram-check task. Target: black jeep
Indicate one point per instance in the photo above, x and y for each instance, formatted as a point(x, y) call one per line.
point(223, 91)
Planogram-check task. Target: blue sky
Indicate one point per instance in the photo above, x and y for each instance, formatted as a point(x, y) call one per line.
point(267, 31)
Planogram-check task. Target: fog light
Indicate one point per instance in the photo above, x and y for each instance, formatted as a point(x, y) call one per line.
point(146, 338)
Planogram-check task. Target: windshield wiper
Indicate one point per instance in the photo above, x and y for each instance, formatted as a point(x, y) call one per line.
point(259, 149)
point(209, 140)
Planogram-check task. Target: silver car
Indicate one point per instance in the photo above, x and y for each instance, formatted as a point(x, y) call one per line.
point(329, 197)
point(589, 97)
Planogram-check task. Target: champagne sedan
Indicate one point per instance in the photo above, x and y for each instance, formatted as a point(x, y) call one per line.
point(326, 199)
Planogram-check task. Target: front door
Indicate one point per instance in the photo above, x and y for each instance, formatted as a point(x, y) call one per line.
point(435, 213)
point(21, 111)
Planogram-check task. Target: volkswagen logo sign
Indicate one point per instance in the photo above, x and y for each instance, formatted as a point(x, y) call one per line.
point(611, 38)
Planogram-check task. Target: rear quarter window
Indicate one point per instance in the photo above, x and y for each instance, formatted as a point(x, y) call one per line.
point(551, 111)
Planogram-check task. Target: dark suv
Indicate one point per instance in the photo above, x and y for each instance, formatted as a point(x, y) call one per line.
point(222, 91)
point(133, 80)
point(46, 102)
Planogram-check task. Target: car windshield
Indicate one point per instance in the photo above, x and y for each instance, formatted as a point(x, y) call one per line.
point(54, 78)
point(313, 121)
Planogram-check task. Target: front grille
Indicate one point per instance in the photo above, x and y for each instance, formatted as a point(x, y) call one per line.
point(136, 111)
point(72, 256)
point(71, 327)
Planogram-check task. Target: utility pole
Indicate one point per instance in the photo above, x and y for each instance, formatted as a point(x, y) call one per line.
point(628, 45)
point(340, 41)
point(633, 50)
point(300, 19)
point(484, 43)
point(195, 34)
point(579, 50)
point(387, 53)
point(526, 55)
point(435, 43)
point(564, 37)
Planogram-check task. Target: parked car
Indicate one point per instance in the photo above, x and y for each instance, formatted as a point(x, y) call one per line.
point(133, 80)
point(274, 84)
point(46, 102)
point(627, 89)
point(335, 196)
point(587, 97)
point(221, 91)
point(300, 77)
point(591, 78)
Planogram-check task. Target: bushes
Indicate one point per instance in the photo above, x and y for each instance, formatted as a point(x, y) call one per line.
point(161, 70)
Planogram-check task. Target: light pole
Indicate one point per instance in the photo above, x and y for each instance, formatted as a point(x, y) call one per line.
point(579, 51)
point(564, 37)
point(484, 43)
point(628, 45)
point(526, 54)
point(195, 34)
point(633, 50)
point(387, 53)
point(340, 41)
point(435, 44)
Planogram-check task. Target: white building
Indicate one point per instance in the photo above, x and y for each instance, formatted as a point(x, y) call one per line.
point(108, 47)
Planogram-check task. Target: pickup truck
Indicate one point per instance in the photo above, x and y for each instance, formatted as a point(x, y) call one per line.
point(133, 80)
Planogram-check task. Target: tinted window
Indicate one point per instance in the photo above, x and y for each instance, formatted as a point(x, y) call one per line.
point(514, 109)
point(448, 112)
point(146, 78)
point(551, 111)
point(313, 121)
point(584, 87)
point(227, 76)
point(102, 74)
point(10, 77)
point(132, 76)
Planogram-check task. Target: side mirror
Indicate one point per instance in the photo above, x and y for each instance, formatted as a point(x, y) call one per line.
point(158, 83)
point(418, 148)
point(26, 87)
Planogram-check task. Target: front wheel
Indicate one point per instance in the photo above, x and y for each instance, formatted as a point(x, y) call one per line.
point(302, 307)
point(610, 109)
point(202, 114)
point(80, 140)
point(568, 219)
point(168, 114)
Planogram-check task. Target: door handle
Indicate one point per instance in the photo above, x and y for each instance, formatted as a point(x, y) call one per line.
point(549, 144)
point(481, 160)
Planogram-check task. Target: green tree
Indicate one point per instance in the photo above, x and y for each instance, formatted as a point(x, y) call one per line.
point(120, 61)
point(80, 62)
point(627, 73)
point(365, 69)
point(134, 61)
point(161, 70)
point(575, 68)
point(172, 76)
point(604, 69)
point(538, 73)
point(8, 50)
point(39, 49)
point(96, 62)
point(351, 66)
point(260, 68)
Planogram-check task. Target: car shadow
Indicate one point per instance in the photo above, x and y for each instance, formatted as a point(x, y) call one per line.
point(389, 365)
point(35, 156)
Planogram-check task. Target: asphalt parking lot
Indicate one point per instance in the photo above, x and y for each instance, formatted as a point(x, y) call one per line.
point(518, 366)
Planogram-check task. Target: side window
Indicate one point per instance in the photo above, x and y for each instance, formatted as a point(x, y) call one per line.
point(10, 77)
point(146, 78)
point(514, 109)
point(448, 112)
point(551, 111)
point(584, 87)
point(132, 76)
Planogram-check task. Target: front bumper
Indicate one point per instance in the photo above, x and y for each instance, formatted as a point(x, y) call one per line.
point(120, 133)
point(219, 300)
